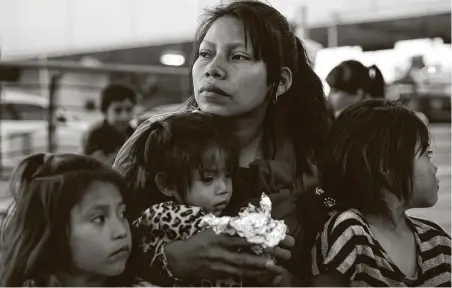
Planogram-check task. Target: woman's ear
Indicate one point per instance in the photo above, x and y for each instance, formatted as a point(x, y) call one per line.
point(165, 186)
point(285, 81)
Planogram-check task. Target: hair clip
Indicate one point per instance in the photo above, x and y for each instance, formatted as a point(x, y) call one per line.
point(329, 202)
point(372, 73)
point(319, 191)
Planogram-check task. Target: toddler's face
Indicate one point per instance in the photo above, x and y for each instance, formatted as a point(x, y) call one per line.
point(211, 191)
point(211, 188)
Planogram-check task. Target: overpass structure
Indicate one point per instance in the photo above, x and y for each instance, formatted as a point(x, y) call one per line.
point(137, 32)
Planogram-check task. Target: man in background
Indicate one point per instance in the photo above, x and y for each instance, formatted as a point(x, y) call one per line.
point(104, 139)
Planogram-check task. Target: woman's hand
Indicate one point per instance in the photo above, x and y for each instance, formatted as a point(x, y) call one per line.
point(211, 256)
point(282, 251)
point(286, 279)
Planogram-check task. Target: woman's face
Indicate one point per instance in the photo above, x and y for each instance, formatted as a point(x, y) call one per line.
point(227, 79)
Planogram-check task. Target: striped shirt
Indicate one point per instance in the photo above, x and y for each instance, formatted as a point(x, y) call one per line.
point(346, 245)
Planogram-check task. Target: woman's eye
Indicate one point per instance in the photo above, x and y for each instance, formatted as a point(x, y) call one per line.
point(204, 54)
point(240, 57)
point(429, 154)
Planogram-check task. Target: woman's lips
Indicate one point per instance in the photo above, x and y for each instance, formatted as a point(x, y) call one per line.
point(212, 90)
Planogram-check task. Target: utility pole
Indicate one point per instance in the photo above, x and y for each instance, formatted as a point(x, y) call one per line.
point(333, 34)
point(53, 90)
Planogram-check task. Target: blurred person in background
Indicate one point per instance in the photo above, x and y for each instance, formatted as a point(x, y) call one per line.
point(351, 82)
point(103, 140)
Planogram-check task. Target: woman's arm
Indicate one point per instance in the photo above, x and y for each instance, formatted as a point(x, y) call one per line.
point(332, 279)
point(211, 256)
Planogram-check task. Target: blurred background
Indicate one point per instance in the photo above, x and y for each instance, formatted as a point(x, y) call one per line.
point(57, 55)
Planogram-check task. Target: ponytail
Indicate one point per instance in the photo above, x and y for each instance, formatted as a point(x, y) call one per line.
point(351, 76)
point(376, 83)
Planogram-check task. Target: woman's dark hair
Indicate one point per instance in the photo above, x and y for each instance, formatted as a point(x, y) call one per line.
point(302, 107)
point(351, 75)
point(177, 145)
point(371, 146)
point(35, 243)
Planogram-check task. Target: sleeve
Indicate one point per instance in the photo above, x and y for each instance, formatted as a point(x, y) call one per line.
point(89, 142)
point(153, 238)
point(337, 247)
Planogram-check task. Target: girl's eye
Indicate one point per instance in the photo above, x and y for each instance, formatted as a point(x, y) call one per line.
point(123, 214)
point(429, 153)
point(207, 179)
point(228, 176)
point(100, 219)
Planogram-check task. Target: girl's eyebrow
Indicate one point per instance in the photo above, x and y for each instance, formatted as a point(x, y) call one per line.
point(104, 207)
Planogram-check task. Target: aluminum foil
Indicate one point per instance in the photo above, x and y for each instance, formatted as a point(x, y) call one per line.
point(253, 223)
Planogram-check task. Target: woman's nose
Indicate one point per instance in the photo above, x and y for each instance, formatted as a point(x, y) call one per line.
point(215, 69)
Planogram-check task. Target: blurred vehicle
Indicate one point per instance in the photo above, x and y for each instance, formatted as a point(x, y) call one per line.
point(157, 110)
point(24, 127)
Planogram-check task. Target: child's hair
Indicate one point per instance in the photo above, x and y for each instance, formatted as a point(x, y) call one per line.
point(20, 178)
point(351, 75)
point(35, 242)
point(372, 145)
point(116, 93)
point(177, 145)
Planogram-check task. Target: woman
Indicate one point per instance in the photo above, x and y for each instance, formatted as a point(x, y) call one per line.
point(252, 71)
point(351, 82)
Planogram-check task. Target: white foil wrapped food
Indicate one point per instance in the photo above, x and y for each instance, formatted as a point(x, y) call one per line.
point(253, 223)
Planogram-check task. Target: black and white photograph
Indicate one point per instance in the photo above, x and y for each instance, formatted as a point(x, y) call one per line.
point(225, 143)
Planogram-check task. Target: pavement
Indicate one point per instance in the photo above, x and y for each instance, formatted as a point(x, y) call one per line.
point(440, 213)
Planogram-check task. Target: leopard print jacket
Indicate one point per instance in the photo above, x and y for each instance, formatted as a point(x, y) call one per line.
point(166, 222)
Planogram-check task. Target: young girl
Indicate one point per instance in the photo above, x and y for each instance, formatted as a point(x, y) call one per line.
point(69, 225)
point(376, 166)
point(188, 177)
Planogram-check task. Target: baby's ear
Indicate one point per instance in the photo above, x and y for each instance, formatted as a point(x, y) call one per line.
point(165, 185)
